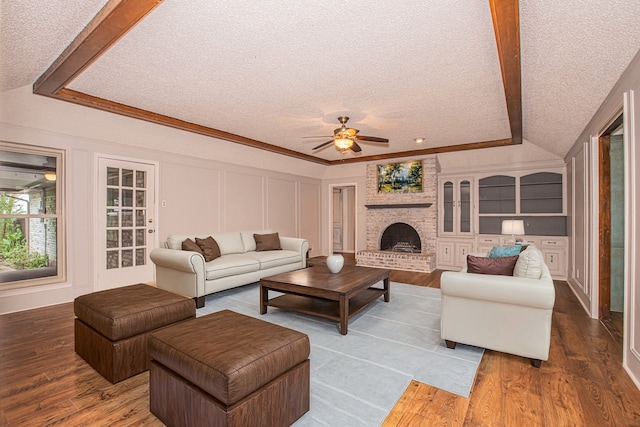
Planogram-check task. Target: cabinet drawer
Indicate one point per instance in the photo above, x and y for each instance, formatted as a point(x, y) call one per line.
point(531, 241)
point(553, 243)
point(488, 240)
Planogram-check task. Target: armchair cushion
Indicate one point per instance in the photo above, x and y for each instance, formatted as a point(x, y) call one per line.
point(505, 251)
point(502, 266)
point(529, 263)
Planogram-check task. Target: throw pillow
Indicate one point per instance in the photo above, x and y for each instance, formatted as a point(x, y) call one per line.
point(529, 263)
point(190, 245)
point(209, 247)
point(502, 266)
point(504, 251)
point(267, 242)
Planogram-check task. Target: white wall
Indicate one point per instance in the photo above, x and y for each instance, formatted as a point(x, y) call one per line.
point(204, 191)
point(624, 96)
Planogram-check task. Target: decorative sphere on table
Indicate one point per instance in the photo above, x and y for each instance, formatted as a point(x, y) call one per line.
point(335, 262)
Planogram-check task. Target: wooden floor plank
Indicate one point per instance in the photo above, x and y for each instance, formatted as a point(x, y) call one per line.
point(43, 382)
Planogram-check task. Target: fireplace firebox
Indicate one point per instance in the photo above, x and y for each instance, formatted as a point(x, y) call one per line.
point(400, 237)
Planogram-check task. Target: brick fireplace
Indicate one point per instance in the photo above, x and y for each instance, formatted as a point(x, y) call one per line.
point(406, 212)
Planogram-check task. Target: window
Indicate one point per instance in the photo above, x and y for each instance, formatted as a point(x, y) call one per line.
point(31, 221)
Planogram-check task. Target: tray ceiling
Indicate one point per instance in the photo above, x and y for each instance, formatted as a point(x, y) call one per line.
point(276, 71)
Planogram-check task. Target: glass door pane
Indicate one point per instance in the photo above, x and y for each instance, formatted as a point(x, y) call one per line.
point(448, 207)
point(126, 212)
point(465, 207)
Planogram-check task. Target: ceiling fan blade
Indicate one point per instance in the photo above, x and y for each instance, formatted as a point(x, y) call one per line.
point(355, 147)
point(371, 138)
point(324, 144)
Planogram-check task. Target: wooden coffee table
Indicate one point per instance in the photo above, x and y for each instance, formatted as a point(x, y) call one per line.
point(319, 292)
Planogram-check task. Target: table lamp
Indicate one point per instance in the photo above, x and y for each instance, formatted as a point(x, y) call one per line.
point(513, 227)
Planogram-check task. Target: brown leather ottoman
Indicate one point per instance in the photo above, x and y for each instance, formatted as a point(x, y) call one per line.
point(228, 369)
point(112, 326)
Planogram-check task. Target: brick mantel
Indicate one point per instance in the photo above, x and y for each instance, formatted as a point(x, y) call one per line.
point(399, 205)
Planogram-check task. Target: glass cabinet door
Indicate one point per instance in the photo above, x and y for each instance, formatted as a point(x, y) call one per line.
point(448, 204)
point(465, 207)
point(457, 205)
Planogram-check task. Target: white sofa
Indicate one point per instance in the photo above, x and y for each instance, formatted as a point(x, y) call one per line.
point(187, 273)
point(502, 313)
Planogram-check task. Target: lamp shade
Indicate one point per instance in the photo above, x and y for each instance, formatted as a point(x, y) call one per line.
point(343, 143)
point(513, 226)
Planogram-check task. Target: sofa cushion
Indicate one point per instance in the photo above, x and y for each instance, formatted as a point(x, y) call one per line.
point(190, 245)
point(267, 242)
point(229, 243)
point(248, 241)
point(269, 259)
point(504, 251)
point(502, 266)
point(210, 249)
point(529, 263)
point(230, 265)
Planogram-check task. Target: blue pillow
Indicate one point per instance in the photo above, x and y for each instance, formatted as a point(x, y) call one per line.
point(503, 251)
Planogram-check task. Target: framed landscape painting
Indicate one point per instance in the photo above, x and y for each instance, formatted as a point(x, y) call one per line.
point(400, 177)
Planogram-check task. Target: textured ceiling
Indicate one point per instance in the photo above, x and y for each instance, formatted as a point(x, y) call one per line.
point(276, 71)
point(34, 33)
point(573, 52)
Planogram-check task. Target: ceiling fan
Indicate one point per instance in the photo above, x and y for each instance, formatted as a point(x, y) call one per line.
point(345, 138)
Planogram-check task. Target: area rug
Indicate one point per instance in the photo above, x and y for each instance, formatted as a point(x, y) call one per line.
point(356, 379)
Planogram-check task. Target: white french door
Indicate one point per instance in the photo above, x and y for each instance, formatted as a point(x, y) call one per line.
point(126, 222)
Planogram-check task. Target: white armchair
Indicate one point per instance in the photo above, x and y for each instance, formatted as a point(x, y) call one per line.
point(502, 313)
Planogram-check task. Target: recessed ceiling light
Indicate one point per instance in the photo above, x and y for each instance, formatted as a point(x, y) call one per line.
point(419, 140)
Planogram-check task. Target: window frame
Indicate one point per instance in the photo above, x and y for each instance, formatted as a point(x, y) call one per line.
point(59, 215)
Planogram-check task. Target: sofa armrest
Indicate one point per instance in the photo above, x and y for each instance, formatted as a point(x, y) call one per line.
point(186, 261)
point(297, 245)
point(538, 293)
point(182, 272)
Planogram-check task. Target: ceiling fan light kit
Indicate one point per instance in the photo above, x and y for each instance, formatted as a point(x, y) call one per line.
point(344, 138)
point(343, 143)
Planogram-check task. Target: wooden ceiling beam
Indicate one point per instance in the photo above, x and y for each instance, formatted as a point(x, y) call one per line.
point(113, 21)
point(506, 26)
point(86, 100)
point(426, 151)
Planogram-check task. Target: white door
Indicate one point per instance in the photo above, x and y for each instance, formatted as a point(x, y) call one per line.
point(126, 222)
point(337, 220)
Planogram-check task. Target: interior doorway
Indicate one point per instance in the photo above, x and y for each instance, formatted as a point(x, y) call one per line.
point(611, 229)
point(343, 218)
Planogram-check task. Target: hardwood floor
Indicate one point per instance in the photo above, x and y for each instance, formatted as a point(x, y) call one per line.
point(43, 382)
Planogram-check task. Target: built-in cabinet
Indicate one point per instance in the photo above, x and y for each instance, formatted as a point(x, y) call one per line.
point(453, 252)
point(473, 206)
